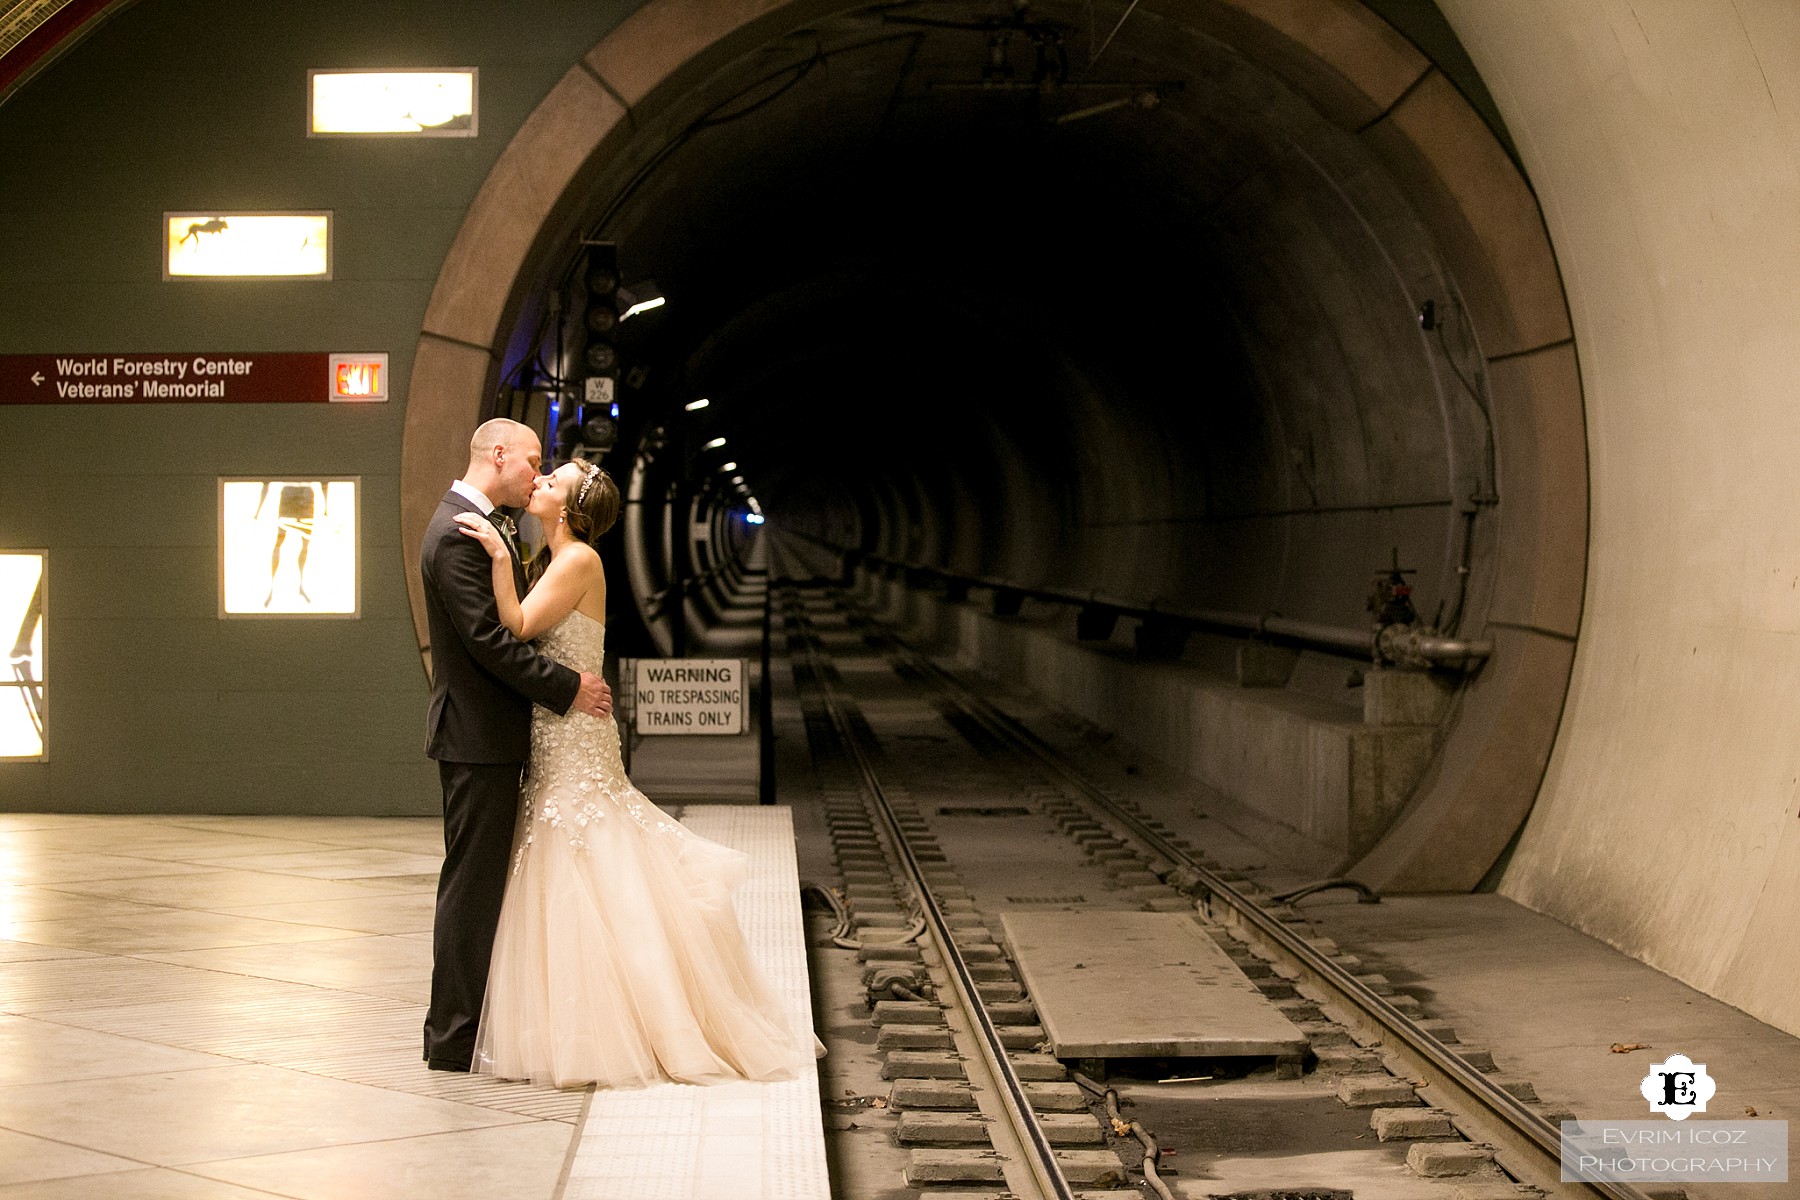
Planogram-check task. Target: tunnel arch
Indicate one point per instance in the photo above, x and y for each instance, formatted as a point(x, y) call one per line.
point(1485, 254)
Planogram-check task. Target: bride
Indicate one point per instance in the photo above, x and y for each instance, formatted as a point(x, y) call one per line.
point(618, 959)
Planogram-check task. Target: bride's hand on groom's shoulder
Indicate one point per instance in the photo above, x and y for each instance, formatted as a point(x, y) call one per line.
point(483, 531)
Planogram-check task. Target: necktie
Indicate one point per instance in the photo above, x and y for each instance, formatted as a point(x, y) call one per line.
point(509, 533)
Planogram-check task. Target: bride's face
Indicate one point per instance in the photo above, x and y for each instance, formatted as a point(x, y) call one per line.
point(552, 493)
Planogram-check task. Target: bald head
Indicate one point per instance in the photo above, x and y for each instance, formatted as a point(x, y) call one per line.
point(504, 458)
point(497, 432)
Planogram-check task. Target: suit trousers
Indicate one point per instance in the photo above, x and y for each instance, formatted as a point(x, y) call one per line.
point(481, 807)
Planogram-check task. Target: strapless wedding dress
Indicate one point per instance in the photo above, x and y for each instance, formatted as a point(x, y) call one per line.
point(618, 958)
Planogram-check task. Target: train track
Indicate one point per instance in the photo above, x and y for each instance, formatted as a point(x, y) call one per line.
point(1524, 1143)
point(1025, 1158)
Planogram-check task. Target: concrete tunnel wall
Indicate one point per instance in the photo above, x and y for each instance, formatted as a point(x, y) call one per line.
point(1662, 138)
point(1317, 180)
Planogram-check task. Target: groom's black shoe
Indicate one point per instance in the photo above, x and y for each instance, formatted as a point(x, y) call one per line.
point(447, 1064)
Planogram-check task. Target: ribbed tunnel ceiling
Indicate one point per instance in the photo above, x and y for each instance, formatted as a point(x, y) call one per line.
point(1137, 342)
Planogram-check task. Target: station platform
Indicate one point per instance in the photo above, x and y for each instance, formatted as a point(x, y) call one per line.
point(743, 1141)
point(228, 1008)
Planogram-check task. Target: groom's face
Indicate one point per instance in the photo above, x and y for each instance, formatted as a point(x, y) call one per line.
point(518, 466)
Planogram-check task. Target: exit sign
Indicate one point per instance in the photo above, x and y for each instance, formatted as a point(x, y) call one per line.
point(359, 376)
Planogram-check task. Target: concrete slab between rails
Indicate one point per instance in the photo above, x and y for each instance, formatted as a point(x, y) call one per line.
point(1141, 985)
point(1548, 1002)
point(1375, 1172)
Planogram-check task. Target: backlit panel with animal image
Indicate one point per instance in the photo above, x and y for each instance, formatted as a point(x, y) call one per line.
point(219, 245)
point(402, 103)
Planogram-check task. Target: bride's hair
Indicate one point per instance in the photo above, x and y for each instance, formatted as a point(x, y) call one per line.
point(594, 504)
point(593, 507)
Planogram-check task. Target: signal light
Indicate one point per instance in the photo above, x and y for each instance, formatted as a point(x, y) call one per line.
point(598, 429)
point(603, 267)
point(600, 309)
point(602, 358)
point(591, 429)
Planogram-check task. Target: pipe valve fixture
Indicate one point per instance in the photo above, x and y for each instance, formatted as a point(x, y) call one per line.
point(1402, 640)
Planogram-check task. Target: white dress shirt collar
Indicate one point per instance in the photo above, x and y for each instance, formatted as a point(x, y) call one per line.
point(473, 494)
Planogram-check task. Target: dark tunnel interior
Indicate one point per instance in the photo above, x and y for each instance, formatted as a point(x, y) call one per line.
point(962, 294)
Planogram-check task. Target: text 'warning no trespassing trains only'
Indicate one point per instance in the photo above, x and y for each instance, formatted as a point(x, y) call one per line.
point(688, 695)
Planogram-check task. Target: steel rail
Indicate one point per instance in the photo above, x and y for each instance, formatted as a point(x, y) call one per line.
point(1531, 1146)
point(1030, 1144)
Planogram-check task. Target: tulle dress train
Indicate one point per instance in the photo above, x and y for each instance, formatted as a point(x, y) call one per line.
point(618, 959)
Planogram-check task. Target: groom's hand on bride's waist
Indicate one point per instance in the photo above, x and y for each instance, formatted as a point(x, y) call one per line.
point(594, 698)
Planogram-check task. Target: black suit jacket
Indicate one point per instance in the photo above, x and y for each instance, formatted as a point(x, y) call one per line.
point(483, 679)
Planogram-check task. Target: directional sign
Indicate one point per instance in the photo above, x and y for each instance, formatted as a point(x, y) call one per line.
point(211, 377)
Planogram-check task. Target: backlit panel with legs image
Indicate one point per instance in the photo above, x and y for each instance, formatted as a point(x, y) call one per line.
point(24, 691)
point(288, 547)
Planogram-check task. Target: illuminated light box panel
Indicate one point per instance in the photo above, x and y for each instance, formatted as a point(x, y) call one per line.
point(407, 103)
point(23, 686)
point(289, 547)
point(267, 245)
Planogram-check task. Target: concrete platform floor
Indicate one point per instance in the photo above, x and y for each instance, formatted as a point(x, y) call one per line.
point(229, 1007)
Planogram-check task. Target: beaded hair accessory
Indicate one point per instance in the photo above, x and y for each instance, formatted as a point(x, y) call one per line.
point(581, 493)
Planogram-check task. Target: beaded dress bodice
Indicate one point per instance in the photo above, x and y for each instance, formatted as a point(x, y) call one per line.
point(576, 775)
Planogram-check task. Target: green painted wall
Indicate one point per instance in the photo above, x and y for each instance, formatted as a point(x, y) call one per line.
point(155, 703)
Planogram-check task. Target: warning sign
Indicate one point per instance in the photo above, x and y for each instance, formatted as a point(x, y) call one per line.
point(220, 377)
point(688, 695)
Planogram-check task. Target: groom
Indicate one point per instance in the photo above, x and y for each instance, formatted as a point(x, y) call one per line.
point(484, 682)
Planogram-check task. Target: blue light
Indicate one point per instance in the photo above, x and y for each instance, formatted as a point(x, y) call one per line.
point(753, 518)
point(615, 409)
